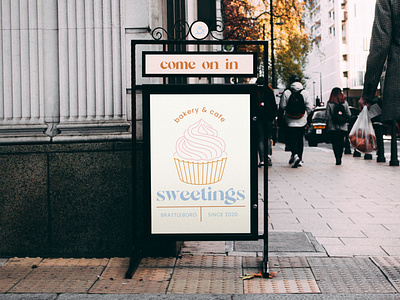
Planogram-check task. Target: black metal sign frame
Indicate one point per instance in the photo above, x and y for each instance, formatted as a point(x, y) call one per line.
point(178, 45)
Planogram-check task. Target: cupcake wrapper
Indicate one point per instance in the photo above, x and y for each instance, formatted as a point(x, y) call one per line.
point(200, 173)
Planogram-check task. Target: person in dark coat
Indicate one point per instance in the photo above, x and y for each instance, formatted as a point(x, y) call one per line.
point(266, 114)
point(337, 132)
point(384, 47)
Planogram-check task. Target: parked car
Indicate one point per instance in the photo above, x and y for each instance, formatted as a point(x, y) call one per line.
point(316, 131)
point(316, 128)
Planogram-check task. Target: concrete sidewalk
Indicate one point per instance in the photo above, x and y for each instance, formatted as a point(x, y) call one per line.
point(334, 234)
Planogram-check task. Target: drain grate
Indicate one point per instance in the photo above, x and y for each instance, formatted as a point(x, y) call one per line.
point(349, 275)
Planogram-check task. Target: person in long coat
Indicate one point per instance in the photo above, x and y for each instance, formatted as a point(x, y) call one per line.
point(384, 47)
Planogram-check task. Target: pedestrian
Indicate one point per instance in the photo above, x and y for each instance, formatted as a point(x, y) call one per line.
point(266, 114)
point(296, 105)
point(384, 48)
point(337, 117)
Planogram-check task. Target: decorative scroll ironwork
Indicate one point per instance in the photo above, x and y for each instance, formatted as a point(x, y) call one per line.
point(198, 30)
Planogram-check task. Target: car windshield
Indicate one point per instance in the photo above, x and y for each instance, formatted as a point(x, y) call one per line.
point(320, 114)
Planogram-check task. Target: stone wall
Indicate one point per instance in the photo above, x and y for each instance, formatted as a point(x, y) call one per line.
point(69, 200)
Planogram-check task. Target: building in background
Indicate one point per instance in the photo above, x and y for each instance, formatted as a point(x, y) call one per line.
point(65, 121)
point(341, 32)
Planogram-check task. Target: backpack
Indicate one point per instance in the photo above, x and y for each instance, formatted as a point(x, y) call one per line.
point(339, 114)
point(295, 107)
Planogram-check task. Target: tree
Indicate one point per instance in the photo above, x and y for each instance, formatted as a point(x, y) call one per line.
point(291, 41)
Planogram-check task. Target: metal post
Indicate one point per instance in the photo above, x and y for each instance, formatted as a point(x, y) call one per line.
point(136, 256)
point(320, 86)
point(265, 264)
point(394, 161)
point(272, 46)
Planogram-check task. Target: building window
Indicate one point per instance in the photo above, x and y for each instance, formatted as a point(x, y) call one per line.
point(332, 30)
point(345, 57)
point(346, 74)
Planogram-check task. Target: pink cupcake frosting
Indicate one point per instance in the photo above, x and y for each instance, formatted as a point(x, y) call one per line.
point(200, 142)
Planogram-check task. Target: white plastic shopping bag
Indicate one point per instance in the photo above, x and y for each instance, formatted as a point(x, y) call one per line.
point(362, 135)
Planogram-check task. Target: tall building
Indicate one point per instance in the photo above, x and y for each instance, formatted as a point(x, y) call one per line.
point(341, 32)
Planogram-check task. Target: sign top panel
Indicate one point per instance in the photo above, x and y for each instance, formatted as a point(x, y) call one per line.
point(158, 64)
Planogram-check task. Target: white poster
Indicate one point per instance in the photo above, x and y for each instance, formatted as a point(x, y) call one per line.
point(200, 163)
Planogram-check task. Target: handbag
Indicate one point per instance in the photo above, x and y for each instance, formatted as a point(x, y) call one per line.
point(362, 136)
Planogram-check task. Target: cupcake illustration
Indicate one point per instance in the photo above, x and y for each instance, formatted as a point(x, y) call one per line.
point(200, 156)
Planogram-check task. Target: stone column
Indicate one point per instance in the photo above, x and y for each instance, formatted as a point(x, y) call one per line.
point(50, 65)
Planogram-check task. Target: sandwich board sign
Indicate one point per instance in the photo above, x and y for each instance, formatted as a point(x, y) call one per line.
point(201, 161)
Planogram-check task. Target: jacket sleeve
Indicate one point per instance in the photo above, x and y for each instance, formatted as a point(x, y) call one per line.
point(347, 107)
point(328, 114)
point(379, 47)
point(284, 100)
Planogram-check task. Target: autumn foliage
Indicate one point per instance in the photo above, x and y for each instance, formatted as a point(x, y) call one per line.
point(251, 20)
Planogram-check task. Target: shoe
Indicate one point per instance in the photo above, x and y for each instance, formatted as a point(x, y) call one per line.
point(297, 161)
point(301, 163)
point(261, 164)
point(338, 162)
point(269, 161)
point(291, 160)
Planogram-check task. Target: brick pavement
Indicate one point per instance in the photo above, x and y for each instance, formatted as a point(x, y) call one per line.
point(349, 214)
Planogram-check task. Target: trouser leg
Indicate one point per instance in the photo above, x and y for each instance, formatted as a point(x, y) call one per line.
point(296, 142)
point(338, 143)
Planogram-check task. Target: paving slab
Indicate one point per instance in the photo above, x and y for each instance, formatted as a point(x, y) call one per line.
point(349, 275)
point(151, 276)
point(143, 297)
point(128, 286)
point(204, 248)
point(276, 262)
point(279, 242)
point(207, 275)
point(116, 268)
point(285, 281)
point(317, 297)
point(390, 266)
point(28, 296)
point(61, 276)
point(15, 270)
point(3, 261)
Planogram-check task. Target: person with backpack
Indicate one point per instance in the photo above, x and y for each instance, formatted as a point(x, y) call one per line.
point(296, 105)
point(337, 117)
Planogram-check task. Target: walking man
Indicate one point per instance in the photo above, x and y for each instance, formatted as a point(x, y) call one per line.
point(384, 47)
point(296, 104)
